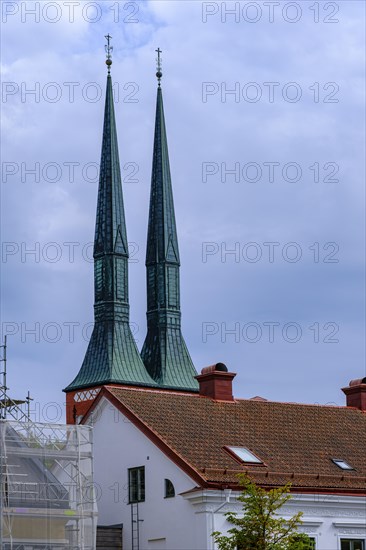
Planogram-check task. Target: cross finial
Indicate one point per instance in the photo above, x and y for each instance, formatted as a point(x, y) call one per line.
point(159, 74)
point(108, 50)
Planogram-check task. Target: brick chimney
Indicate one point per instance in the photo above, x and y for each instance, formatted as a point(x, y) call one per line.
point(216, 382)
point(356, 394)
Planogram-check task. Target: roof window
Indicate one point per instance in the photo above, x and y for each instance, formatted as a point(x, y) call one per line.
point(244, 455)
point(342, 464)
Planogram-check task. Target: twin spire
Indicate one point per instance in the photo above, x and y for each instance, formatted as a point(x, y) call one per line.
point(112, 355)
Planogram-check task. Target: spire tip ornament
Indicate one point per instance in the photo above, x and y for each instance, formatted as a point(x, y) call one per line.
point(108, 50)
point(159, 73)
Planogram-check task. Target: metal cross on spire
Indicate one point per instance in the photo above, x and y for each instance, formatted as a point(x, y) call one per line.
point(159, 73)
point(108, 50)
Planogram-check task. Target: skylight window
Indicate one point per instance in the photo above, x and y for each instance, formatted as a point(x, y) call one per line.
point(342, 464)
point(244, 455)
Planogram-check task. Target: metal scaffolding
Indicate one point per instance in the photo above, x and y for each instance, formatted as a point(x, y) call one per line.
point(47, 498)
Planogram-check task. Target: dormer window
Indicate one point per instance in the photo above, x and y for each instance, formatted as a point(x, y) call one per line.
point(243, 454)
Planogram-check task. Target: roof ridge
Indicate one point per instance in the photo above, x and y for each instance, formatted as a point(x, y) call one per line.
point(154, 389)
point(188, 393)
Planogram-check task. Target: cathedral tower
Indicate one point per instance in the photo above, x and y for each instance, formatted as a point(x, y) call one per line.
point(164, 352)
point(112, 356)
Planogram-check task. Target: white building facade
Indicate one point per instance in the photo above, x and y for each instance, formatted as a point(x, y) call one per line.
point(186, 521)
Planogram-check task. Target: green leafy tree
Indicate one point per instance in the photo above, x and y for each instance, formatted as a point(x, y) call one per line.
point(261, 527)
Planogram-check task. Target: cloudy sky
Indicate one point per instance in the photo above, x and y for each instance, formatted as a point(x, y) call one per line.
point(264, 105)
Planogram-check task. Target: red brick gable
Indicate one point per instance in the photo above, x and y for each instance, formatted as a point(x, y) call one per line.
point(296, 442)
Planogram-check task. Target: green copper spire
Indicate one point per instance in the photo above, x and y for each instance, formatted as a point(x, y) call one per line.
point(112, 355)
point(164, 352)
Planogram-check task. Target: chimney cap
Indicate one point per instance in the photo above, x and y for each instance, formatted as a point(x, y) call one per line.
point(218, 367)
point(357, 381)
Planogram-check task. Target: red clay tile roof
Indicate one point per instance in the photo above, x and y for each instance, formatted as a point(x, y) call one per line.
point(296, 442)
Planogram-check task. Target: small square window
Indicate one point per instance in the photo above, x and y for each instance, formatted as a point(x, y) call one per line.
point(342, 464)
point(136, 484)
point(244, 455)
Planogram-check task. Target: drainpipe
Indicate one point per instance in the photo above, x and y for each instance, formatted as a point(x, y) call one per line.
point(227, 493)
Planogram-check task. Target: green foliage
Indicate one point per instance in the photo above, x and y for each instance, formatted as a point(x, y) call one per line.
point(261, 527)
